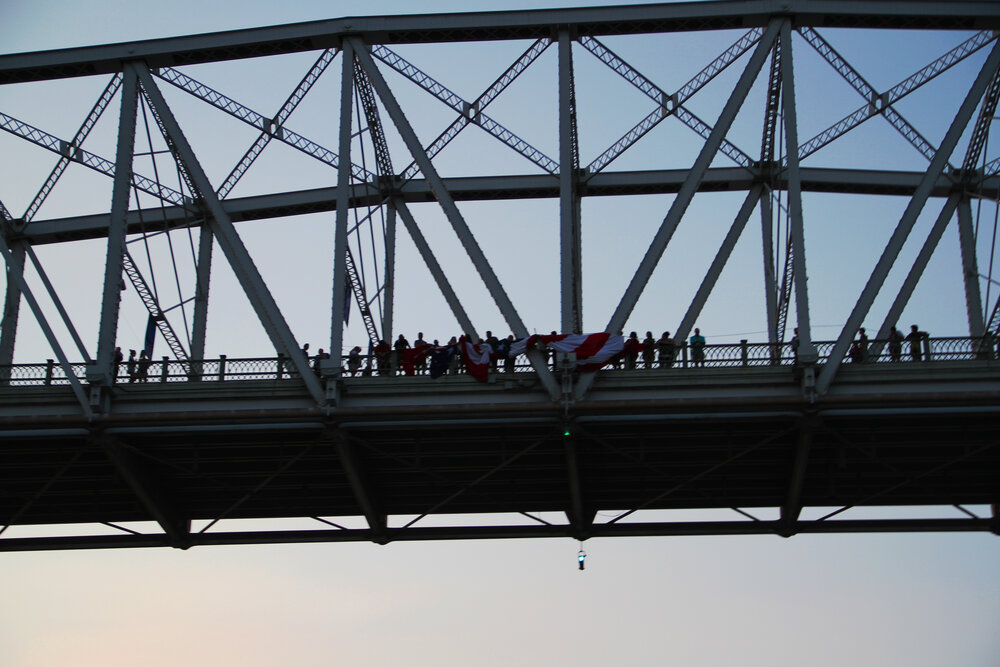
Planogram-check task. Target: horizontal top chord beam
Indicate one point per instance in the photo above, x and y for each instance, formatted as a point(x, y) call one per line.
point(499, 25)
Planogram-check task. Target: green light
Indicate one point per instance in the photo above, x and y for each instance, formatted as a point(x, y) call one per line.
point(566, 432)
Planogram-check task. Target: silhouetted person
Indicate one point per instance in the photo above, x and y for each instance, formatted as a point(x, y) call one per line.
point(354, 360)
point(698, 348)
point(494, 344)
point(895, 344)
point(916, 340)
point(648, 350)
point(130, 366)
point(632, 348)
point(418, 344)
point(382, 352)
point(666, 347)
point(862, 345)
point(119, 357)
point(508, 357)
point(318, 360)
point(142, 372)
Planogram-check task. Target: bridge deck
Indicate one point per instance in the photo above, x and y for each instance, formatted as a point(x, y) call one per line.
point(676, 439)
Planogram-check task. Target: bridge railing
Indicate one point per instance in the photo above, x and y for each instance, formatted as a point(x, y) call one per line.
point(729, 355)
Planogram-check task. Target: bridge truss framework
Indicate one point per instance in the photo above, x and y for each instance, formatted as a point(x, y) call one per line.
point(322, 445)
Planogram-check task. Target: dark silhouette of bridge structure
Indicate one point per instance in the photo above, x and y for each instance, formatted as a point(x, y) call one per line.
point(285, 448)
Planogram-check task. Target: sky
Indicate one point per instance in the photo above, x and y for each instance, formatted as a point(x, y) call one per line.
point(820, 600)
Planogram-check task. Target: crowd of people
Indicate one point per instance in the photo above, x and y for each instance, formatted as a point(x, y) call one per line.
point(458, 355)
point(136, 368)
point(434, 358)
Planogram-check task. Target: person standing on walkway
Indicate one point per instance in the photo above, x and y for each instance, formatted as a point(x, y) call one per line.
point(648, 350)
point(698, 348)
point(916, 340)
point(666, 348)
point(895, 344)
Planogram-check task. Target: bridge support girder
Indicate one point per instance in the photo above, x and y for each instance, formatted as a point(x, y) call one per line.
point(148, 489)
point(361, 487)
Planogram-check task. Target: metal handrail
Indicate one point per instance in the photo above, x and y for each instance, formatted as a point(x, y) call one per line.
point(727, 355)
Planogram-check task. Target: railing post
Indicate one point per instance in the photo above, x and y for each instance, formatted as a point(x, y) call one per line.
point(925, 342)
point(743, 352)
point(684, 355)
point(222, 367)
point(281, 364)
point(165, 370)
point(49, 366)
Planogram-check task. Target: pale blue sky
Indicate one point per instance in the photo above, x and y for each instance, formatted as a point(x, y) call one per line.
point(810, 600)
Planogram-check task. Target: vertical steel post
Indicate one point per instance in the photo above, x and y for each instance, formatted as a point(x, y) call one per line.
point(970, 269)
point(770, 283)
point(569, 206)
point(807, 351)
point(343, 203)
point(11, 304)
point(390, 272)
point(114, 265)
point(199, 324)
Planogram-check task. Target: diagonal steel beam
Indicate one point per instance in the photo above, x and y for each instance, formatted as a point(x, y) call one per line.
point(503, 81)
point(690, 186)
point(453, 215)
point(57, 302)
point(707, 471)
point(908, 219)
point(464, 322)
point(229, 241)
point(266, 134)
point(363, 492)
point(858, 82)
point(914, 274)
point(148, 490)
point(440, 92)
point(15, 272)
point(686, 193)
point(257, 120)
point(792, 506)
point(479, 480)
point(88, 124)
point(897, 92)
point(86, 158)
point(719, 263)
point(668, 104)
point(982, 129)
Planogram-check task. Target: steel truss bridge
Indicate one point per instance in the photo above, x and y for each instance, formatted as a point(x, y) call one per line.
point(778, 447)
